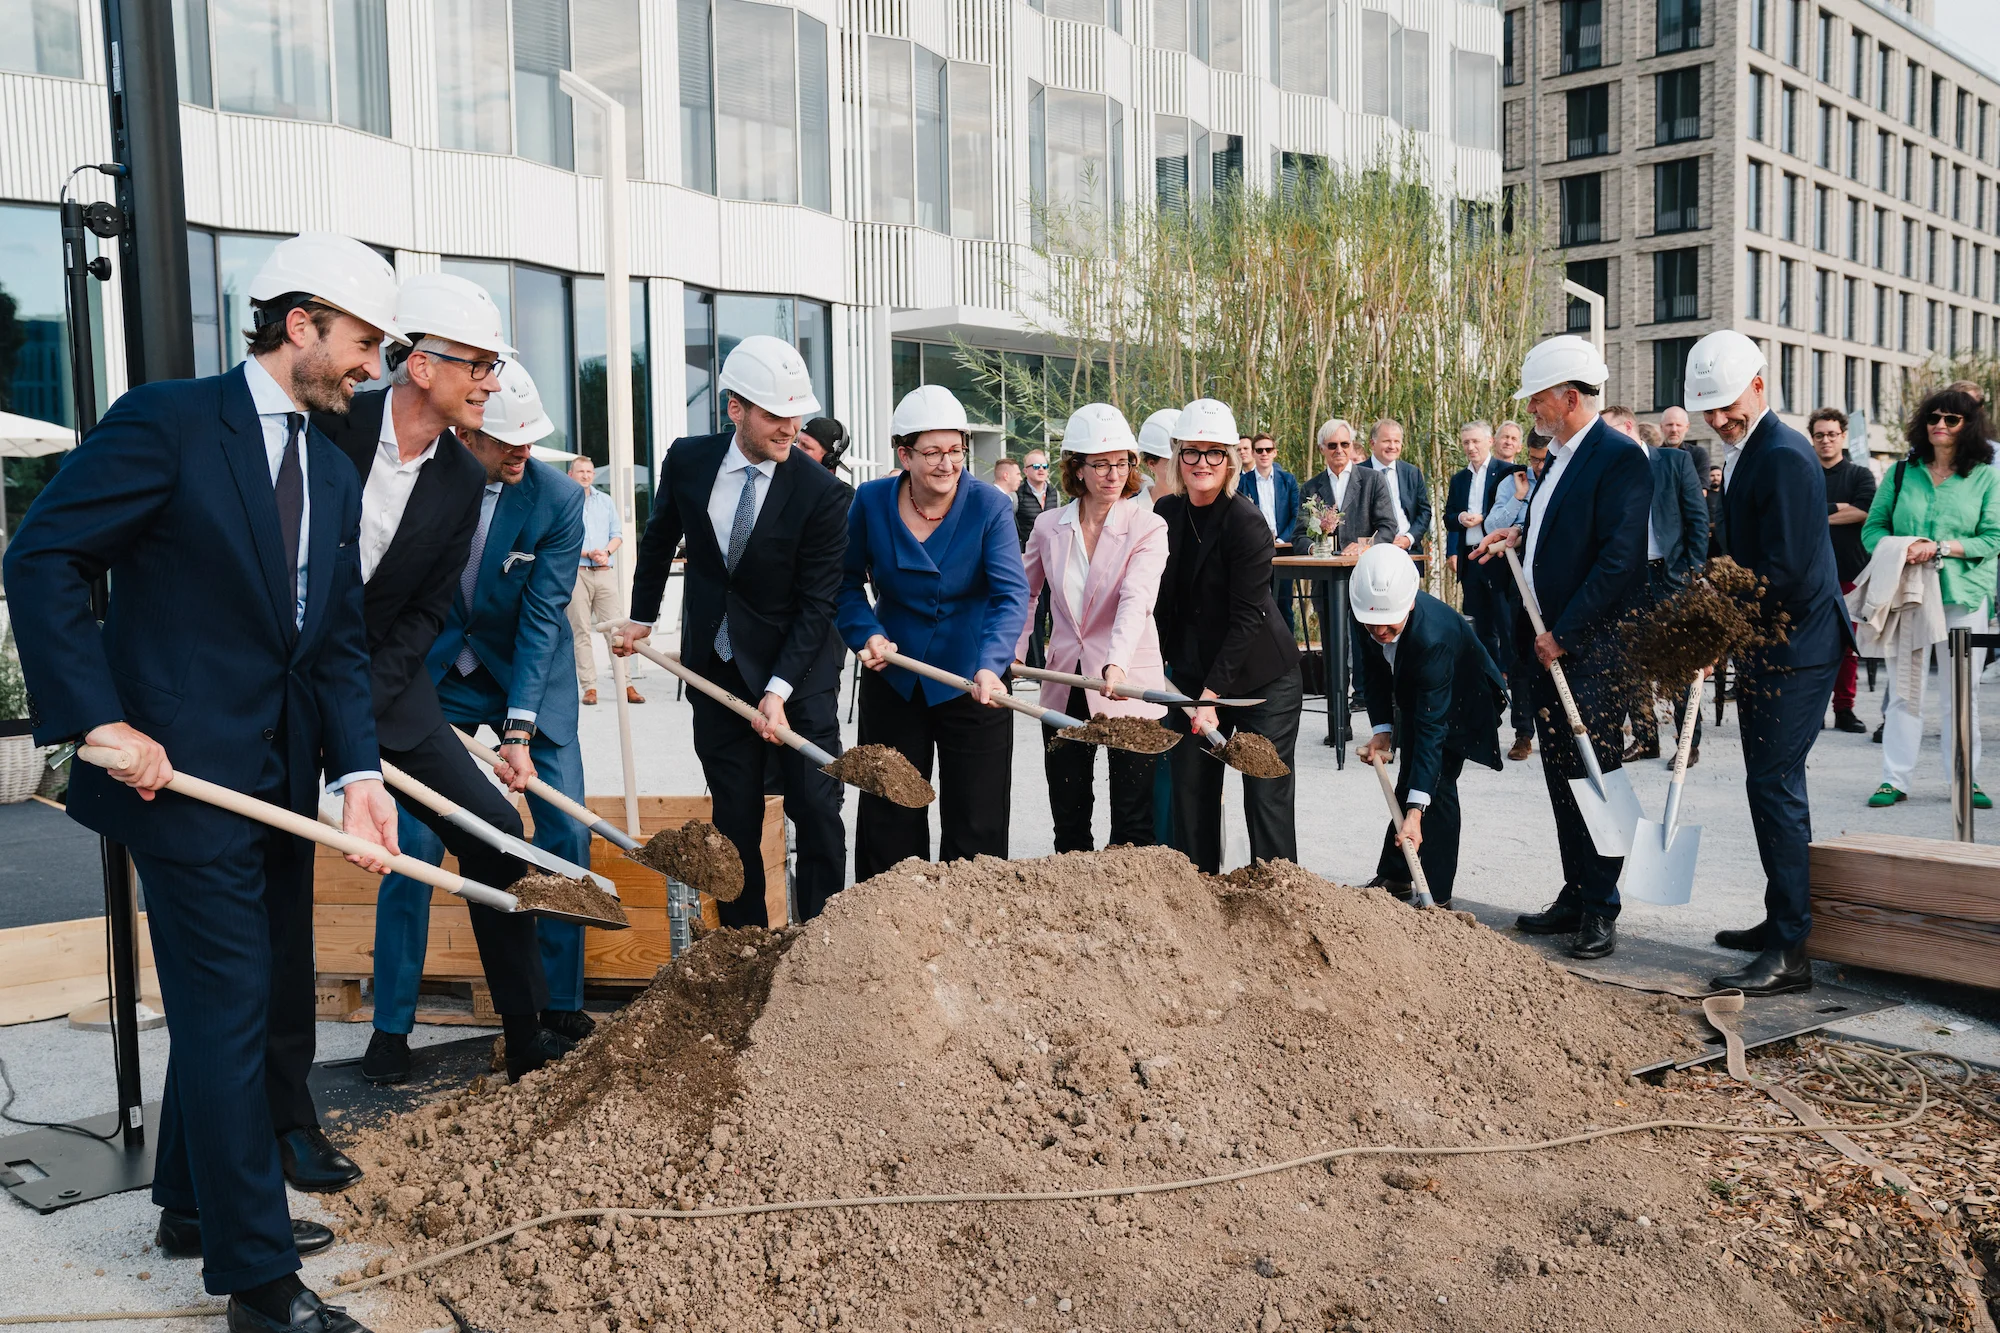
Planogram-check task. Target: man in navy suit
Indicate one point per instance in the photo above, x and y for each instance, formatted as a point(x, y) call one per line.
point(1774, 525)
point(233, 647)
point(1467, 501)
point(1585, 557)
point(1412, 494)
point(1275, 492)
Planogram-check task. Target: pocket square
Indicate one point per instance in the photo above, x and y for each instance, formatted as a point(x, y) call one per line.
point(516, 558)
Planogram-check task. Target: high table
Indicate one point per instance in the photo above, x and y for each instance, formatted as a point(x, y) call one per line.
point(1334, 571)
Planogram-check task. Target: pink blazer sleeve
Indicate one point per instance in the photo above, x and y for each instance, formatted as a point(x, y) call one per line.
point(1137, 591)
point(1035, 559)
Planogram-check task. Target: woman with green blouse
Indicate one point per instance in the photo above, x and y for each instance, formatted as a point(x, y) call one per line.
point(1945, 494)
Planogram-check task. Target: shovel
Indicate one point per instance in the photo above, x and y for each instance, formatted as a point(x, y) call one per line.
point(1110, 691)
point(1420, 888)
point(1609, 806)
point(500, 841)
point(287, 821)
point(1048, 717)
point(1660, 866)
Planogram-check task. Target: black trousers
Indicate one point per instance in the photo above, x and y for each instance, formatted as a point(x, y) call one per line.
point(1038, 642)
point(734, 760)
point(1268, 803)
point(1779, 714)
point(1492, 603)
point(1073, 797)
point(1589, 880)
point(973, 747)
point(1439, 853)
point(1645, 726)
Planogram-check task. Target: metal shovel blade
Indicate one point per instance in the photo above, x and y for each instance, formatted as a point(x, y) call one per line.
point(1660, 867)
point(1610, 816)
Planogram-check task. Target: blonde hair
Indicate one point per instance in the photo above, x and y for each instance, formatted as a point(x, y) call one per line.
point(1232, 468)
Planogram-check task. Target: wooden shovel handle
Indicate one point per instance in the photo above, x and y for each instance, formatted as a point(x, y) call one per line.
point(1570, 710)
point(1396, 817)
point(943, 677)
point(576, 810)
point(716, 692)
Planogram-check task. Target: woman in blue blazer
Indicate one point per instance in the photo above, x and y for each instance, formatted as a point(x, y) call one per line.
point(940, 550)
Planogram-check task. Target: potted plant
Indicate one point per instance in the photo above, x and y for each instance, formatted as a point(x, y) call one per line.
point(21, 760)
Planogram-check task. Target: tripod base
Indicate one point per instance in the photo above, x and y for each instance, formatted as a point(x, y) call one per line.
point(69, 1168)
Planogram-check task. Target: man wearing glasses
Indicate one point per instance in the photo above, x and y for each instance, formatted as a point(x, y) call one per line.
point(1367, 514)
point(1850, 489)
point(1032, 497)
point(1276, 495)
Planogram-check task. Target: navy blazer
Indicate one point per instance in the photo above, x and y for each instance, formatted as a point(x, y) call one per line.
point(1774, 525)
point(1458, 499)
point(1444, 691)
point(171, 495)
point(1413, 496)
point(1284, 501)
point(957, 601)
point(1679, 513)
point(1590, 547)
point(519, 624)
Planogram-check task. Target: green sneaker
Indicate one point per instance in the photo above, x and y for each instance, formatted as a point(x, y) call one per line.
point(1888, 795)
point(1980, 800)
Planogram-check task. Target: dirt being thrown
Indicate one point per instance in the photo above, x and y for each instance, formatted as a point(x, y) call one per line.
point(883, 771)
point(573, 897)
point(1141, 735)
point(1253, 756)
point(1722, 612)
point(697, 855)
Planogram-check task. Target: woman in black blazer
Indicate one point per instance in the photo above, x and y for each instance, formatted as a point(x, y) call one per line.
point(1222, 636)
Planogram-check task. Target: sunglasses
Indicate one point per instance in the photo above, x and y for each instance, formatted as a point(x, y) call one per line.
point(1271, 449)
point(1212, 457)
point(1331, 445)
point(1949, 420)
point(1038, 467)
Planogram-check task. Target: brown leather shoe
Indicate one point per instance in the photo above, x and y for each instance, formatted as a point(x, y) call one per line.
point(590, 696)
point(1640, 750)
point(1523, 747)
point(1694, 755)
point(632, 695)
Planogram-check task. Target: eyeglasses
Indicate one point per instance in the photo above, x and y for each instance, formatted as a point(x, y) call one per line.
point(1038, 467)
point(954, 454)
point(1827, 435)
point(1104, 467)
point(1266, 449)
point(479, 369)
point(1949, 420)
point(1212, 457)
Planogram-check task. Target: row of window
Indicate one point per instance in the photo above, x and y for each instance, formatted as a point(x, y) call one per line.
point(1861, 232)
point(1847, 307)
point(1676, 288)
point(1676, 118)
point(1676, 202)
point(1676, 27)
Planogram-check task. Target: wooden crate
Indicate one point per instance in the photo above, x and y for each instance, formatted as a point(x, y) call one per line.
point(50, 969)
point(1918, 906)
point(344, 908)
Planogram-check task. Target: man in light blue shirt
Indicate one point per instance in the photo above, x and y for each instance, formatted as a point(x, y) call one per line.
point(596, 600)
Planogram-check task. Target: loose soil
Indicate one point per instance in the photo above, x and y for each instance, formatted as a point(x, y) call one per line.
point(882, 770)
point(1720, 613)
point(560, 893)
point(1254, 756)
point(697, 855)
point(1141, 735)
point(1112, 1018)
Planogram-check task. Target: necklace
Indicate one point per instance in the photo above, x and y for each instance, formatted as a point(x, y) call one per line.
point(912, 491)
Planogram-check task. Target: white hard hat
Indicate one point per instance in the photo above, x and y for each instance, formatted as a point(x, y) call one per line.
point(770, 373)
point(447, 306)
point(928, 407)
point(514, 411)
point(1207, 421)
point(1719, 368)
point(1156, 437)
point(1383, 586)
point(1563, 359)
point(1097, 428)
point(333, 270)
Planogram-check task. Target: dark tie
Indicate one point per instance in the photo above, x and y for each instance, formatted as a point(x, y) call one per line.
point(739, 539)
point(291, 492)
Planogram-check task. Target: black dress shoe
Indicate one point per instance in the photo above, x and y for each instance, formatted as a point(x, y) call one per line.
point(1772, 972)
point(572, 1023)
point(179, 1236)
point(1844, 720)
point(1398, 889)
point(388, 1058)
point(544, 1048)
point(1597, 937)
point(1748, 941)
point(1558, 918)
point(1877, 737)
point(314, 1165)
point(308, 1314)
point(1641, 750)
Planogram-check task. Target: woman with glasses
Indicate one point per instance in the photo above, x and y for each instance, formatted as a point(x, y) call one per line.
point(1944, 495)
point(1223, 637)
point(939, 549)
point(1100, 557)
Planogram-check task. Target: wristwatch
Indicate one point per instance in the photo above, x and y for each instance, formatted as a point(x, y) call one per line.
point(517, 731)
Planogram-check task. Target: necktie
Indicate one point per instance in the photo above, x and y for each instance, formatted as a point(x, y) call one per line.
point(739, 537)
point(467, 661)
point(291, 494)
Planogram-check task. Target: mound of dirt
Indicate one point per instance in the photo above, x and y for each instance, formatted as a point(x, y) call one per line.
point(1253, 755)
point(697, 855)
point(1078, 1022)
point(883, 770)
point(1141, 735)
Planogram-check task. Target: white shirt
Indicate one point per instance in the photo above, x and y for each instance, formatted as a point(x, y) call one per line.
point(1076, 569)
point(1387, 466)
point(1475, 495)
point(1730, 452)
point(1417, 798)
point(731, 477)
point(1337, 483)
point(1559, 456)
point(387, 492)
point(1267, 497)
point(1653, 551)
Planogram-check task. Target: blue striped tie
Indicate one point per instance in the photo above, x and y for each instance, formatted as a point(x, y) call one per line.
point(468, 661)
point(739, 537)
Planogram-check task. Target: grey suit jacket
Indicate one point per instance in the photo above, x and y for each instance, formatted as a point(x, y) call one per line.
point(1679, 514)
point(1370, 510)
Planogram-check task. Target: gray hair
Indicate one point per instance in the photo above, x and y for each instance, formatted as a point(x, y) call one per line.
point(427, 343)
point(1483, 427)
point(1336, 423)
point(1510, 422)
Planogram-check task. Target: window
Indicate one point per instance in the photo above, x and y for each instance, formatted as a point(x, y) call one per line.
point(56, 46)
point(1822, 301)
point(1670, 372)
point(473, 109)
point(1882, 239)
point(1857, 74)
point(1882, 316)
point(1795, 33)
point(1069, 162)
point(1596, 275)
point(1477, 113)
point(1669, 214)
point(1937, 183)
point(1855, 160)
point(536, 312)
point(970, 124)
point(1788, 291)
point(1170, 24)
point(593, 435)
point(1753, 284)
point(1788, 379)
point(1937, 106)
point(1582, 199)
point(754, 103)
point(1183, 167)
point(1826, 135)
point(1307, 54)
point(604, 53)
point(1885, 157)
point(717, 321)
point(1582, 35)
point(1788, 121)
point(1856, 210)
point(1905, 300)
point(1909, 248)
point(1590, 121)
point(1826, 46)
point(324, 60)
point(35, 378)
point(1219, 33)
point(1678, 110)
point(1958, 194)
point(1760, 35)
point(1850, 308)
point(1822, 218)
point(697, 102)
point(1913, 83)
point(1958, 263)
point(1405, 95)
point(1679, 26)
point(1791, 200)
point(1961, 120)
point(1753, 113)
point(1510, 69)
point(1909, 172)
point(1885, 78)
point(1984, 117)
point(542, 128)
point(1674, 285)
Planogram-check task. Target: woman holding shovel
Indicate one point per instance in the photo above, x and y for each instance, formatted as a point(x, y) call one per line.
point(1102, 557)
point(939, 548)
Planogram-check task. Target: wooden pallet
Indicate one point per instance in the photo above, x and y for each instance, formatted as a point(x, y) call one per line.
point(50, 969)
point(1918, 906)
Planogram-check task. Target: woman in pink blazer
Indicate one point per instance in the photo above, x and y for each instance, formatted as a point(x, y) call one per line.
point(1101, 558)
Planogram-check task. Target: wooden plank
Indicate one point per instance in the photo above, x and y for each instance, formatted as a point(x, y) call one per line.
point(1910, 943)
point(450, 1018)
point(54, 998)
point(1923, 875)
point(336, 998)
point(47, 970)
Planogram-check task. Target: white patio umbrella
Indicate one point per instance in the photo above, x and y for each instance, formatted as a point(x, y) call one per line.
point(26, 437)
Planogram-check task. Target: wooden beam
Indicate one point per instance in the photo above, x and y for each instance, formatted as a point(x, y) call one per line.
point(1954, 879)
point(50, 969)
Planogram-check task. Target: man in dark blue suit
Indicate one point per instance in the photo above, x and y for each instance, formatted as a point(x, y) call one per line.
point(1433, 690)
point(1774, 525)
point(233, 647)
point(1275, 492)
point(1407, 484)
point(1585, 557)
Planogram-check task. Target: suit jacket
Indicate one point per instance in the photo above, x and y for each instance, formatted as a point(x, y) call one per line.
point(1415, 498)
point(1590, 545)
point(411, 590)
point(1118, 596)
point(1228, 634)
point(1443, 690)
point(1458, 499)
point(1284, 501)
point(1774, 525)
point(1027, 508)
point(1679, 513)
point(957, 601)
point(1369, 511)
point(171, 495)
point(780, 597)
point(519, 621)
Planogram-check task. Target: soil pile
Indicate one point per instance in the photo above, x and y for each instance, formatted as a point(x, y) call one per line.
point(1141, 735)
point(1077, 1022)
point(883, 770)
point(697, 855)
point(573, 897)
